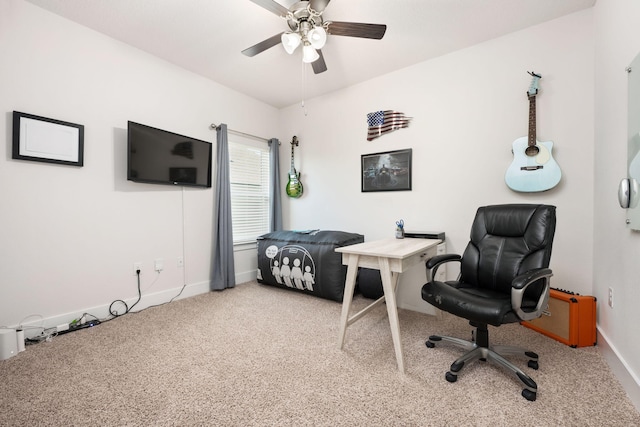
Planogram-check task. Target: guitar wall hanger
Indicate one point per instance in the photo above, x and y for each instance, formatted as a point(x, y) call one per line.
point(533, 74)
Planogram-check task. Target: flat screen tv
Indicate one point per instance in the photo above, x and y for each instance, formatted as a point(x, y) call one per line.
point(157, 156)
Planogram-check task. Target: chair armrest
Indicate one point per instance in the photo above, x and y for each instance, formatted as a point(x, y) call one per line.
point(433, 263)
point(440, 259)
point(525, 279)
point(519, 286)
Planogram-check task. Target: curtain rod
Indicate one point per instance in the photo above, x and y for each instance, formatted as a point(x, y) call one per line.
point(215, 127)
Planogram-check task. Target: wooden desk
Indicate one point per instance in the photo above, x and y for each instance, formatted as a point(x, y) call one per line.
point(391, 257)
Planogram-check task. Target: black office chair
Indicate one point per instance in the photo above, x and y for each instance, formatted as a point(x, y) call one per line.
point(504, 278)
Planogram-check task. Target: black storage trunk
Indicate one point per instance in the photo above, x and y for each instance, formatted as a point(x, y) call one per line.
point(305, 261)
point(370, 283)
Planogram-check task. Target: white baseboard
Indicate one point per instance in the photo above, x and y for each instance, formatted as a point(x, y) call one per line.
point(420, 308)
point(34, 327)
point(628, 379)
point(246, 276)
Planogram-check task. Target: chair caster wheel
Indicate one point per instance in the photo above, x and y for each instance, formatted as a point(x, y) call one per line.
point(533, 364)
point(529, 395)
point(429, 344)
point(452, 378)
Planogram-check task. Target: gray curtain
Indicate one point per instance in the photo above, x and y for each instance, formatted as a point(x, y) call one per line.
point(223, 271)
point(275, 199)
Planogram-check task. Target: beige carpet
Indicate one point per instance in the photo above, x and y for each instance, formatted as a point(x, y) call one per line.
point(261, 356)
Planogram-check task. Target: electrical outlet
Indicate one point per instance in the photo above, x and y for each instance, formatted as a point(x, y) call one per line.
point(180, 262)
point(137, 266)
point(611, 297)
point(159, 265)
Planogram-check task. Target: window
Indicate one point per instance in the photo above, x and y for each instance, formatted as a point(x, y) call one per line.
point(249, 176)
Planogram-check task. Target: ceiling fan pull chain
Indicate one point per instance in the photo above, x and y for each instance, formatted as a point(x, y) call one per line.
point(304, 109)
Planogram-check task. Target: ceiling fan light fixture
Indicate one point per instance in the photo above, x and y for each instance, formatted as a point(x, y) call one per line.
point(290, 41)
point(317, 37)
point(309, 54)
point(307, 28)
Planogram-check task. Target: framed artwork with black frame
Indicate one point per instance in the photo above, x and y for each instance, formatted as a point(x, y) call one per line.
point(41, 139)
point(387, 171)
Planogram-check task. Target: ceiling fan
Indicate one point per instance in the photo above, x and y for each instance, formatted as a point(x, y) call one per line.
point(310, 30)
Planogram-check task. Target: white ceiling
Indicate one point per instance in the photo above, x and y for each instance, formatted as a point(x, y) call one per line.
point(207, 36)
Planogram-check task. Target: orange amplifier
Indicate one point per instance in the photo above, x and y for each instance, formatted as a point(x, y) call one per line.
point(570, 318)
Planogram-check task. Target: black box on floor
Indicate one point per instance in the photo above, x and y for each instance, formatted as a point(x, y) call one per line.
point(370, 283)
point(305, 261)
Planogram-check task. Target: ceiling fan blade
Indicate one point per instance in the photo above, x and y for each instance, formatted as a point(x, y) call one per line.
point(263, 45)
point(318, 5)
point(319, 65)
point(273, 7)
point(355, 29)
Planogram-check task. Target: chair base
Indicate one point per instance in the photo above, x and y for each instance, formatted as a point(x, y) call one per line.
point(480, 349)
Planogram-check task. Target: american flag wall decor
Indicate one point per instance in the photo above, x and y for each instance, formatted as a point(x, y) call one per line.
point(381, 122)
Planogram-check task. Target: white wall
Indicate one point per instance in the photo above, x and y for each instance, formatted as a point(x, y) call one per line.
point(467, 108)
point(70, 235)
point(617, 249)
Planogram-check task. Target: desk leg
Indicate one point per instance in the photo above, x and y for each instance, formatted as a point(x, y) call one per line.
point(389, 284)
point(349, 287)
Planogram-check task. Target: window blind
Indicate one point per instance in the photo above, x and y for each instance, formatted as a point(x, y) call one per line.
point(249, 176)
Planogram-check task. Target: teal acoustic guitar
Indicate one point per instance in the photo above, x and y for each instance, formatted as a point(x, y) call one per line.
point(533, 168)
point(294, 186)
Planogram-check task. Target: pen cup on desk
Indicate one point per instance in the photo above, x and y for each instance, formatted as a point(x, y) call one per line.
point(400, 229)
